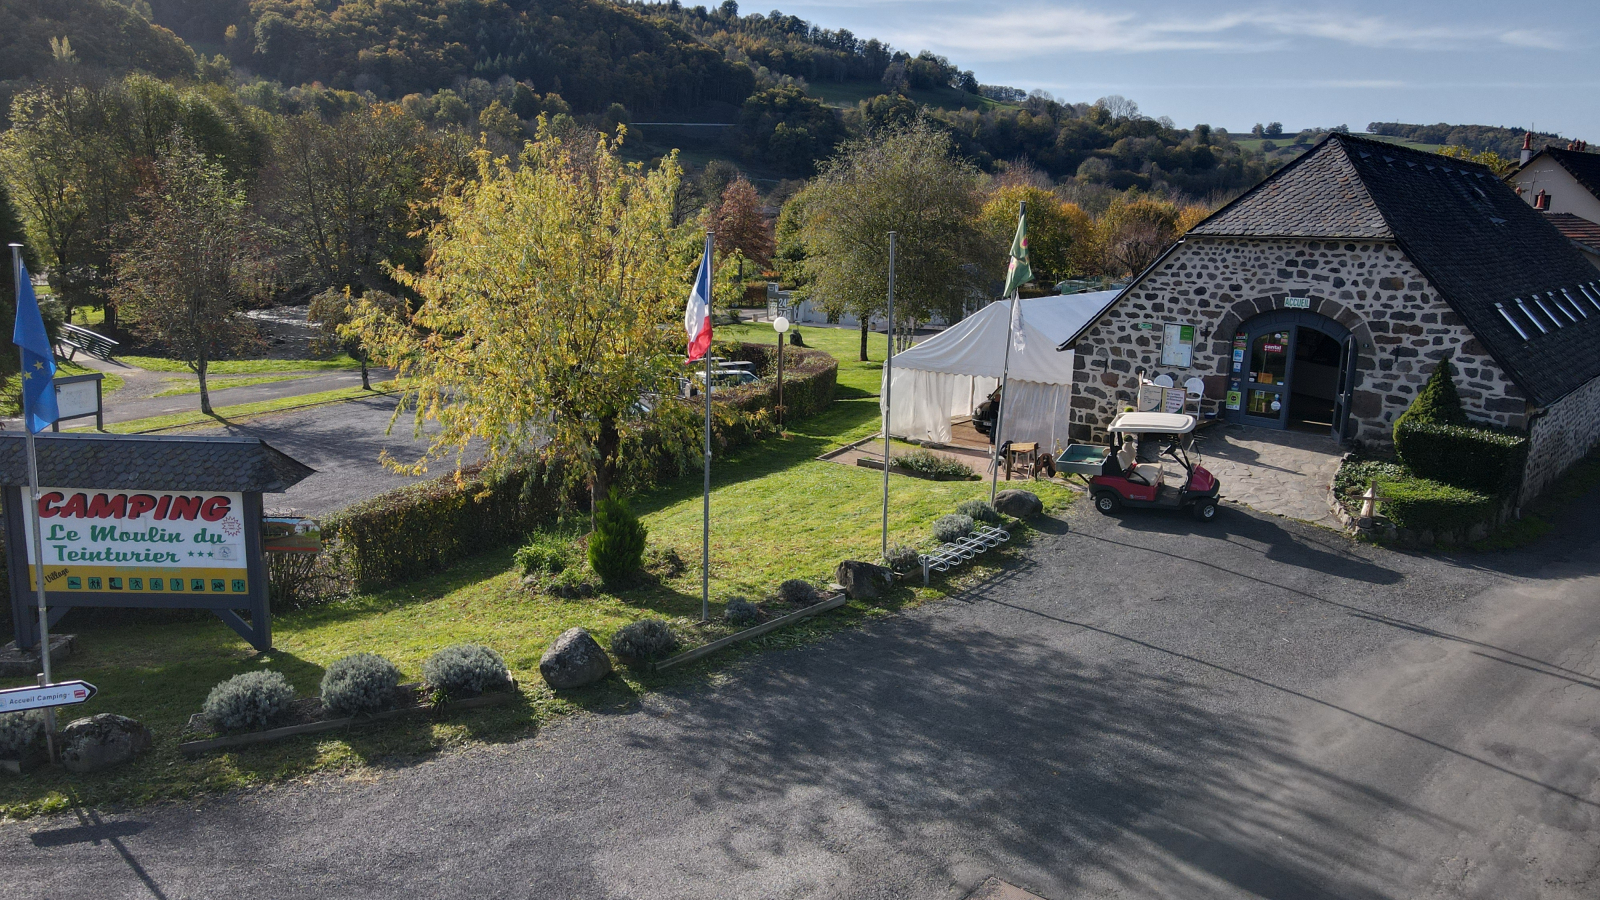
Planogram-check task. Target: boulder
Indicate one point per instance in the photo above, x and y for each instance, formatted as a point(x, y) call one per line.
point(102, 741)
point(1018, 504)
point(863, 580)
point(573, 660)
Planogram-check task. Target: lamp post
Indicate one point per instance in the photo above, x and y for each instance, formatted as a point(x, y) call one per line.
point(780, 325)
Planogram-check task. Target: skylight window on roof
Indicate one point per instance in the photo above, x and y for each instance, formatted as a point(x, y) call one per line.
point(1594, 298)
point(1575, 305)
point(1553, 317)
point(1561, 306)
point(1506, 314)
point(1531, 317)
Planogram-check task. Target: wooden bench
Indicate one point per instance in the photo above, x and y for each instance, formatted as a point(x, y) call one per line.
point(90, 342)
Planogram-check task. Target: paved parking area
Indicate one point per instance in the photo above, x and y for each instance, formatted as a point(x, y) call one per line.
point(1285, 473)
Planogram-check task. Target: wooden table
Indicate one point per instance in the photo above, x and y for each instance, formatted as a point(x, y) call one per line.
point(1028, 450)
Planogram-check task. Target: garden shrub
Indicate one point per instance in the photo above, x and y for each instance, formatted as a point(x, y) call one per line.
point(616, 548)
point(1422, 504)
point(1438, 401)
point(798, 591)
point(249, 702)
point(542, 555)
point(644, 640)
point(1474, 457)
point(359, 684)
point(902, 558)
point(741, 613)
point(570, 583)
point(929, 463)
point(20, 731)
point(465, 669)
point(953, 527)
point(980, 511)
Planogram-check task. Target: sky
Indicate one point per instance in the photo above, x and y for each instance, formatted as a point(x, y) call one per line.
point(1235, 64)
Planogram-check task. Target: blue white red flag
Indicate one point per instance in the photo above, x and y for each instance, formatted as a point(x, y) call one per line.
point(697, 315)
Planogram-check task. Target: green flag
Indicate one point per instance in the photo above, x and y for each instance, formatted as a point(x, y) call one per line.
point(1019, 272)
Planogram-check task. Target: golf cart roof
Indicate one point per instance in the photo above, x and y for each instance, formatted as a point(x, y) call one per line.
point(1153, 423)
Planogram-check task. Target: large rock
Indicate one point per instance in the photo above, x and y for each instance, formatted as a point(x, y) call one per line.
point(1018, 504)
point(863, 580)
point(102, 741)
point(573, 660)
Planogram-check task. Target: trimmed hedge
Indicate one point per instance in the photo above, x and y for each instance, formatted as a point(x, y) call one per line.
point(421, 529)
point(1472, 457)
point(810, 378)
point(1422, 504)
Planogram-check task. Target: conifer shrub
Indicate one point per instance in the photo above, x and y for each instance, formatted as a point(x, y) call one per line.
point(616, 548)
point(20, 732)
point(359, 684)
point(465, 669)
point(249, 702)
point(643, 641)
point(1437, 402)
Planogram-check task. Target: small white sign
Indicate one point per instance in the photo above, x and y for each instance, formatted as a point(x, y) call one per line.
point(79, 398)
point(1297, 303)
point(65, 693)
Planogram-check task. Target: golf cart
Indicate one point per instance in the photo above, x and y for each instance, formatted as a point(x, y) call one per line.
point(1117, 478)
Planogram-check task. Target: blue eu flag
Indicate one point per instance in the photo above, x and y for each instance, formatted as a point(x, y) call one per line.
point(38, 361)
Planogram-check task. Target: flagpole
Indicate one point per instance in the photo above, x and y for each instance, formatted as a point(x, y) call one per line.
point(1005, 366)
point(888, 382)
point(705, 531)
point(38, 542)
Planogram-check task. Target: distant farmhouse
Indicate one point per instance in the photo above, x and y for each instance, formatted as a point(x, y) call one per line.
point(1564, 184)
point(1325, 296)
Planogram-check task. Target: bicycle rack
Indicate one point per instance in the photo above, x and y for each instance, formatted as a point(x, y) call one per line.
point(953, 554)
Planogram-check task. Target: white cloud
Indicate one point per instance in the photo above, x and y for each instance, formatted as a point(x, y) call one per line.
point(1084, 30)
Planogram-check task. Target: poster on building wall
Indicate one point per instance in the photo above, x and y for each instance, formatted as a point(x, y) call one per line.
point(1234, 399)
point(140, 541)
point(1177, 345)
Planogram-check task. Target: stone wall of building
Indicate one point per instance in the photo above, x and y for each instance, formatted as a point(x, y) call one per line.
point(1402, 328)
point(1566, 433)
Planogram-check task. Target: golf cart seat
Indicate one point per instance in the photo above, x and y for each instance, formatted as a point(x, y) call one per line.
point(1138, 472)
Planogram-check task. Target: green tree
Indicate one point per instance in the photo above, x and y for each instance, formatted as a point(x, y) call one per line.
point(548, 306)
point(1437, 403)
point(333, 312)
point(904, 180)
point(616, 548)
point(189, 264)
point(1058, 232)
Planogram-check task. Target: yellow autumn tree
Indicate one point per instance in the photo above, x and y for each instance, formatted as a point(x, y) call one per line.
point(1057, 231)
point(549, 306)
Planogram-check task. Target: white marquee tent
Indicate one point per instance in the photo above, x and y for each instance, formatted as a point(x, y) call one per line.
point(948, 375)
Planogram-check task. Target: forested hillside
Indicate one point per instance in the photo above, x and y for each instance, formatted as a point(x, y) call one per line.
point(1507, 142)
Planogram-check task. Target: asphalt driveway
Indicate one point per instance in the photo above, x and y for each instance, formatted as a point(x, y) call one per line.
point(1144, 707)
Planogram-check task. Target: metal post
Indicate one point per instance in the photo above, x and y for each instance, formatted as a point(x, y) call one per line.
point(38, 545)
point(1000, 414)
point(780, 382)
point(705, 531)
point(888, 381)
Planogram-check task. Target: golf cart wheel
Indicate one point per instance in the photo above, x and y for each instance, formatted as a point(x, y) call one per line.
point(1205, 510)
point(1107, 502)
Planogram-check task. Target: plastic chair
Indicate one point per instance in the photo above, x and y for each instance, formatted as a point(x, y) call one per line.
point(1163, 380)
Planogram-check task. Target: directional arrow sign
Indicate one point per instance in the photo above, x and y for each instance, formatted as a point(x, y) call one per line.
point(65, 693)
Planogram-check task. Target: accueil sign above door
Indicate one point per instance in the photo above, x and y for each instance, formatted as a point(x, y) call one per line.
point(141, 541)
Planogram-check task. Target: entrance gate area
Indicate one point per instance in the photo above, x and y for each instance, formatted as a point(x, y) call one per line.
point(1293, 369)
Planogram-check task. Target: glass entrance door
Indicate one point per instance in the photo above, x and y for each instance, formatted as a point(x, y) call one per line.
point(1266, 383)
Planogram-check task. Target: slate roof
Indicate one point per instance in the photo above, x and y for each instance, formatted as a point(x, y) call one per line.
point(1577, 229)
point(1582, 165)
point(151, 463)
point(1479, 244)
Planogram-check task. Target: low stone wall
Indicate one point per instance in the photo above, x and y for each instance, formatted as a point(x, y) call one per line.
point(1566, 433)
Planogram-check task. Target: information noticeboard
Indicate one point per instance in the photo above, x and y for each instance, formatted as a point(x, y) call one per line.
point(1155, 398)
point(1177, 345)
point(140, 542)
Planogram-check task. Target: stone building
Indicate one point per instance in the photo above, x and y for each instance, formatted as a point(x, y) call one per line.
point(1324, 297)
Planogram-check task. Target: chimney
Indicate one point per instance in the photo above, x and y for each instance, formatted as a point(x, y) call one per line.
point(1541, 200)
point(1527, 147)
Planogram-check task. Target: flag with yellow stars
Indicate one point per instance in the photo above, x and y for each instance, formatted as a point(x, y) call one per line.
point(38, 361)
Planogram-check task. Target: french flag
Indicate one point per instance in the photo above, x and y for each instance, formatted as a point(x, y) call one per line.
point(697, 315)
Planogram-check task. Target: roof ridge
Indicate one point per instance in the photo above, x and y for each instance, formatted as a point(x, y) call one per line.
point(1324, 148)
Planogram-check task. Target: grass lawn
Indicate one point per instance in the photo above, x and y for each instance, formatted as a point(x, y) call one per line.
point(244, 366)
point(777, 513)
point(11, 405)
point(243, 410)
point(218, 384)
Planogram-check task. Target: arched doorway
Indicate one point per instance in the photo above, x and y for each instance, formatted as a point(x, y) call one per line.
point(1292, 368)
